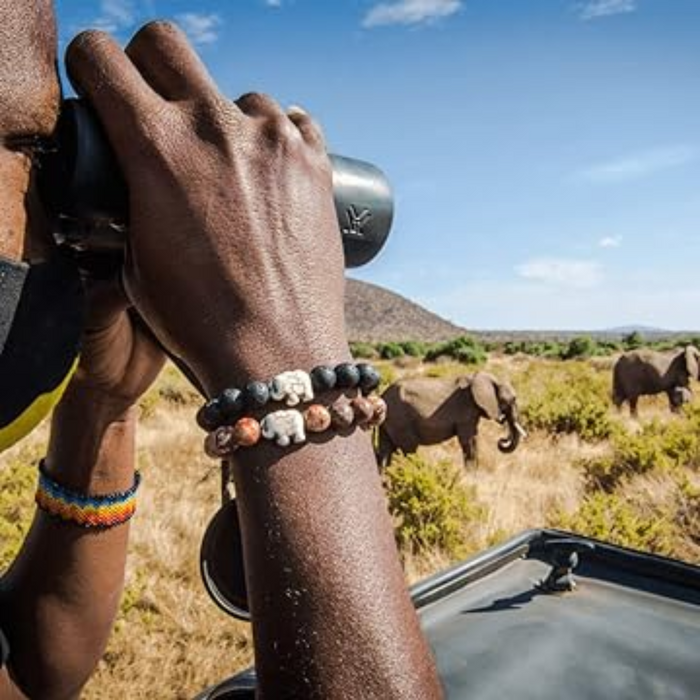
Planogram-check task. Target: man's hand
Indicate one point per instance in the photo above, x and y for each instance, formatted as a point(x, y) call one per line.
point(234, 257)
point(120, 358)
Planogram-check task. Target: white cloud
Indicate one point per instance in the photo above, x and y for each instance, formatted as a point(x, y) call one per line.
point(640, 165)
point(410, 12)
point(200, 28)
point(273, 3)
point(595, 9)
point(115, 15)
point(610, 242)
point(561, 272)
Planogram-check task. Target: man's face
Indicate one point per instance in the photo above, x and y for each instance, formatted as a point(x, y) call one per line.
point(29, 100)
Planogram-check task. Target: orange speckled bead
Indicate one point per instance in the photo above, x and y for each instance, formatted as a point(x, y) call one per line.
point(317, 418)
point(379, 406)
point(363, 409)
point(219, 443)
point(342, 415)
point(246, 432)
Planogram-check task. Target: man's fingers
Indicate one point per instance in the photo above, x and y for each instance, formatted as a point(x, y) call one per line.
point(103, 74)
point(310, 130)
point(166, 60)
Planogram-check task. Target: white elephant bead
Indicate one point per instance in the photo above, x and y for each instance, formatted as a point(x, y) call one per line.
point(284, 427)
point(292, 387)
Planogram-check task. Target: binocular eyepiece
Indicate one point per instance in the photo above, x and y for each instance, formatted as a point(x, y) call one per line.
point(87, 197)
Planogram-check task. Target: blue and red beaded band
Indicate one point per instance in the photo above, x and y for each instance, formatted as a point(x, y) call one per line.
point(84, 510)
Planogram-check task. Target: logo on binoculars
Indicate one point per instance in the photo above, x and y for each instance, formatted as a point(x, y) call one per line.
point(356, 220)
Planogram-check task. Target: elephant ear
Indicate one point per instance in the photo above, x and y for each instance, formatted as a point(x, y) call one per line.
point(691, 361)
point(483, 388)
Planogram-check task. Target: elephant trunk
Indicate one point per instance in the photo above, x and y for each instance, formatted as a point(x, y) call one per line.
point(515, 433)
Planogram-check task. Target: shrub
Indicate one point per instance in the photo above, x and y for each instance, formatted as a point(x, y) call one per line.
point(363, 351)
point(413, 348)
point(658, 446)
point(431, 506)
point(390, 351)
point(464, 349)
point(545, 348)
point(688, 510)
point(643, 526)
point(633, 340)
point(570, 401)
point(580, 347)
point(17, 486)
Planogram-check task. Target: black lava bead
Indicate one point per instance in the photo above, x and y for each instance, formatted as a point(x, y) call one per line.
point(209, 416)
point(322, 378)
point(257, 394)
point(347, 375)
point(231, 403)
point(369, 377)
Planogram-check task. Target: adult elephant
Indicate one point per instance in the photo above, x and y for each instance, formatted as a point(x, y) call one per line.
point(645, 372)
point(427, 411)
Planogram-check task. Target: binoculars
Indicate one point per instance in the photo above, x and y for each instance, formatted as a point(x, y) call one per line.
point(87, 196)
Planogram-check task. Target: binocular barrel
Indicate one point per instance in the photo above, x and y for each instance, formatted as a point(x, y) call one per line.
point(86, 194)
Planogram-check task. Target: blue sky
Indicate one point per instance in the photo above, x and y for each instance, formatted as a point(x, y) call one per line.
point(545, 154)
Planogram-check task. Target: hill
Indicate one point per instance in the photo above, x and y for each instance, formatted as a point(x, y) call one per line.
point(374, 314)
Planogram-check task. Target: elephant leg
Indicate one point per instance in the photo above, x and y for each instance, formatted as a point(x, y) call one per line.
point(633, 406)
point(384, 450)
point(467, 440)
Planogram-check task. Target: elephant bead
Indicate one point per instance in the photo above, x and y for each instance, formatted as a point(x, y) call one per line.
point(284, 427)
point(292, 387)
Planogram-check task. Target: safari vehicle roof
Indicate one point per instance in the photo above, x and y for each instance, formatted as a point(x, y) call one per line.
point(630, 629)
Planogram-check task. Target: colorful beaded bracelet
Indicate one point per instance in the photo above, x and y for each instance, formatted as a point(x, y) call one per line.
point(87, 511)
point(291, 387)
point(290, 426)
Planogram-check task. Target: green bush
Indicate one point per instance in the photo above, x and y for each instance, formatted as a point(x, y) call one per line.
point(414, 348)
point(390, 351)
point(609, 517)
point(580, 347)
point(633, 340)
point(363, 351)
point(431, 506)
point(658, 446)
point(572, 400)
point(464, 349)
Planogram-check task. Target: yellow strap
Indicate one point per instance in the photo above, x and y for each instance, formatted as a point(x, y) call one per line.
point(34, 413)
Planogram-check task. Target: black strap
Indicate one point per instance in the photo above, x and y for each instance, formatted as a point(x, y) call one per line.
point(12, 277)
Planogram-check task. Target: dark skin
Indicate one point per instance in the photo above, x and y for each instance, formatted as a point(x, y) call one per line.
point(59, 598)
point(235, 264)
point(242, 192)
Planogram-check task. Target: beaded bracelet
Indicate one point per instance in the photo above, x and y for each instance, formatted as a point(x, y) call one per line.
point(81, 509)
point(291, 387)
point(290, 426)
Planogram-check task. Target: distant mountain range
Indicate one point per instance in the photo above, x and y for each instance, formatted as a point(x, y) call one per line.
point(375, 314)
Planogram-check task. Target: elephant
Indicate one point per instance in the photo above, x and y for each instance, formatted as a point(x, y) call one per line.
point(284, 427)
point(645, 372)
point(425, 411)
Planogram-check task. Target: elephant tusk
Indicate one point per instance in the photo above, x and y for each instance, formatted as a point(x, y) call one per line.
point(521, 431)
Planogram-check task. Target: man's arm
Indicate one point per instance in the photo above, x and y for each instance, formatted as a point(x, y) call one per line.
point(231, 212)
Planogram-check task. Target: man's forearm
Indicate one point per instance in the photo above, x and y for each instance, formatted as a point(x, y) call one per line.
point(61, 594)
point(332, 614)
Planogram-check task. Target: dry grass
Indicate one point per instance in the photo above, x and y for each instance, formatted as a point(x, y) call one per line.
point(171, 640)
